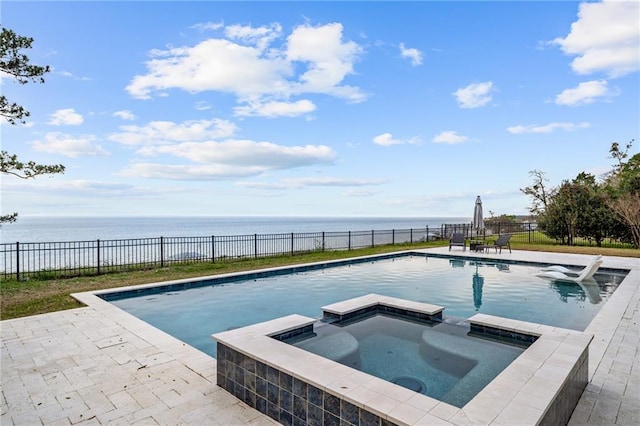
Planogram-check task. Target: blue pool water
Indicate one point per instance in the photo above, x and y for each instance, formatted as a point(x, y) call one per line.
point(437, 360)
point(463, 287)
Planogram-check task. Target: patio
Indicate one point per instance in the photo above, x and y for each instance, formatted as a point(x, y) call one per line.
point(100, 365)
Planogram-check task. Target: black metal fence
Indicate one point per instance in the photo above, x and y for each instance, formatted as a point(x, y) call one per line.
point(21, 261)
point(73, 258)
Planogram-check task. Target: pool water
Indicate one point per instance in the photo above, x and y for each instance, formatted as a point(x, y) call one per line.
point(437, 360)
point(463, 287)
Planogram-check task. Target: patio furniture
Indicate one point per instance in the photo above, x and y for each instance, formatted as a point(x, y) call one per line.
point(502, 241)
point(457, 239)
point(585, 274)
point(476, 245)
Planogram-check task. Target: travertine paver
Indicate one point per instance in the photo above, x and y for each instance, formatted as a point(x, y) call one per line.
point(613, 395)
point(82, 367)
point(99, 365)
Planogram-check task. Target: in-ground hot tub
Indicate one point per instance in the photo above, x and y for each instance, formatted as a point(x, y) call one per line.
point(438, 359)
point(291, 385)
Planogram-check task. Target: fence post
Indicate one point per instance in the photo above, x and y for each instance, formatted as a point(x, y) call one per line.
point(255, 245)
point(373, 242)
point(213, 249)
point(323, 241)
point(17, 261)
point(411, 235)
point(98, 257)
point(349, 246)
point(162, 252)
point(393, 237)
point(292, 244)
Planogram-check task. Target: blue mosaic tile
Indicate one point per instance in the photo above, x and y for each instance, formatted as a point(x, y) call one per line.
point(330, 419)
point(286, 418)
point(314, 415)
point(261, 387)
point(349, 412)
point(332, 404)
point(286, 400)
point(261, 404)
point(273, 393)
point(273, 411)
point(285, 381)
point(368, 419)
point(315, 396)
point(249, 364)
point(300, 408)
point(250, 381)
point(273, 375)
point(300, 388)
point(261, 369)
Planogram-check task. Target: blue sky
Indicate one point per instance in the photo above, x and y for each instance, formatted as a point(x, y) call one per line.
point(317, 108)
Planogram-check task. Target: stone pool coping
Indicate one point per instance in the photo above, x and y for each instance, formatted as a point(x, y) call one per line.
point(525, 392)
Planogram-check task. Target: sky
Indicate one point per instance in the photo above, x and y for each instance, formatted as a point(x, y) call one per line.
point(383, 109)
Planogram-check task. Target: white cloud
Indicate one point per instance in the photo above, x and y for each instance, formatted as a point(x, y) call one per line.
point(248, 64)
point(213, 64)
point(164, 132)
point(125, 115)
point(386, 139)
point(547, 128)
point(69, 146)
point(329, 60)
point(246, 153)
point(187, 172)
point(260, 37)
point(352, 193)
point(474, 95)
point(450, 137)
point(605, 38)
point(231, 158)
point(303, 182)
point(202, 106)
point(586, 93)
point(71, 75)
point(413, 54)
point(276, 109)
point(208, 26)
point(87, 188)
point(68, 117)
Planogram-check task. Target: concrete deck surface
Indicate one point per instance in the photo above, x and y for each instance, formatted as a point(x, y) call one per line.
point(100, 365)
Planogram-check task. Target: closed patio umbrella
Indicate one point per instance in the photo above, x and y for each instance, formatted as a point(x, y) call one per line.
point(477, 284)
point(478, 221)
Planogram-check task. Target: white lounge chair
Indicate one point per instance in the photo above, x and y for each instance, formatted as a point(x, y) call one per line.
point(570, 271)
point(560, 273)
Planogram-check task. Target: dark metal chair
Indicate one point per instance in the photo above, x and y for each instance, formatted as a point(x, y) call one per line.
point(502, 241)
point(457, 239)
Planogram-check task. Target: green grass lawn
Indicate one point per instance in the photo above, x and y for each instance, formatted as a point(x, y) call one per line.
point(38, 296)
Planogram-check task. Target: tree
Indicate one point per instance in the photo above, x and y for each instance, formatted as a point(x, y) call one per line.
point(538, 191)
point(578, 208)
point(17, 65)
point(623, 190)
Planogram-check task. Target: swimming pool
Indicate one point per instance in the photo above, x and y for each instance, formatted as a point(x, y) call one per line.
point(464, 286)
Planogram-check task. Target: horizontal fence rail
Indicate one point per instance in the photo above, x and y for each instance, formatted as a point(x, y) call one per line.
point(22, 261)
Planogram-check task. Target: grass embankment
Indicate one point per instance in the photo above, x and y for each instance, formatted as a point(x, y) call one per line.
point(20, 299)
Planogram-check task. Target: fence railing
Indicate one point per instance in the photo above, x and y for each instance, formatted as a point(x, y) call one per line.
point(21, 261)
point(73, 258)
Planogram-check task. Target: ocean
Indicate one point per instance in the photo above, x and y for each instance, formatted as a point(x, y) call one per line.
point(58, 229)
